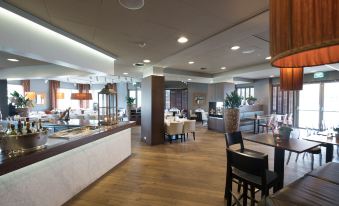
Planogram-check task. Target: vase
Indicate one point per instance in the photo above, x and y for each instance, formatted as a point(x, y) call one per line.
point(232, 120)
point(23, 112)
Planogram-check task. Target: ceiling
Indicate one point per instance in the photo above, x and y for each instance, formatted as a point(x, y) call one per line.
point(23, 61)
point(212, 28)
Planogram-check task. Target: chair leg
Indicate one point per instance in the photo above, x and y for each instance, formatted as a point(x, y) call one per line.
point(193, 135)
point(288, 158)
point(296, 159)
point(252, 195)
point(312, 161)
point(239, 186)
point(245, 187)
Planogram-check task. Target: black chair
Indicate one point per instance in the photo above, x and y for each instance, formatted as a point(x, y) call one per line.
point(235, 138)
point(251, 170)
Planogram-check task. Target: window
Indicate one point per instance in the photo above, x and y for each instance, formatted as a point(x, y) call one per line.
point(67, 101)
point(309, 106)
point(14, 87)
point(282, 101)
point(137, 95)
point(94, 98)
point(245, 92)
point(168, 99)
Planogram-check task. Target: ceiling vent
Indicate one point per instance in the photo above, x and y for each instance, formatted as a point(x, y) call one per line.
point(139, 64)
point(132, 4)
point(203, 68)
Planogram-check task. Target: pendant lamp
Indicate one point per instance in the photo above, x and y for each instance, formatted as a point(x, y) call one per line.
point(291, 78)
point(81, 96)
point(304, 33)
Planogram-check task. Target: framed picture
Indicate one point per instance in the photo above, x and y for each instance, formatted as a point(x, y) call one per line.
point(199, 99)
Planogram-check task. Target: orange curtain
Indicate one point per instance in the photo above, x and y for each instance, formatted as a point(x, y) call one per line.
point(27, 85)
point(53, 90)
point(84, 88)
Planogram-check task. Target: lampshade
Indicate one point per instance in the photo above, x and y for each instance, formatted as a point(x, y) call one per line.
point(81, 96)
point(304, 32)
point(291, 78)
point(60, 95)
point(30, 95)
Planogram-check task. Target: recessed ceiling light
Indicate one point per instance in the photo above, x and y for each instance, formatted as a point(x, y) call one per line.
point(13, 60)
point(272, 76)
point(235, 48)
point(223, 68)
point(268, 58)
point(147, 61)
point(189, 79)
point(191, 62)
point(182, 40)
point(250, 51)
point(125, 73)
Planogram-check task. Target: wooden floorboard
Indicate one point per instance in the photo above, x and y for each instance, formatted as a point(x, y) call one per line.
point(188, 173)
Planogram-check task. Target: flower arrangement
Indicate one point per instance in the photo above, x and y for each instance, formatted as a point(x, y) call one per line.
point(233, 100)
point(20, 101)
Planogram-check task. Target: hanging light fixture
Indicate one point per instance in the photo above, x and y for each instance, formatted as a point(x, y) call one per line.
point(81, 96)
point(304, 33)
point(132, 4)
point(291, 78)
point(60, 95)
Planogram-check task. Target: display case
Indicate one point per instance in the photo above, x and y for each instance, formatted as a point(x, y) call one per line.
point(216, 109)
point(108, 105)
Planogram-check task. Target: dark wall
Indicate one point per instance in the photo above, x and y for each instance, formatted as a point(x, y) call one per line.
point(3, 98)
point(152, 113)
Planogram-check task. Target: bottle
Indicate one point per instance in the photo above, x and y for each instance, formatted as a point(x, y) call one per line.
point(8, 130)
point(40, 125)
point(0, 116)
point(19, 127)
point(28, 128)
point(13, 132)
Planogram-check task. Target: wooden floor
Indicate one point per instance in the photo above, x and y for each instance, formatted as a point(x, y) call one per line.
point(190, 173)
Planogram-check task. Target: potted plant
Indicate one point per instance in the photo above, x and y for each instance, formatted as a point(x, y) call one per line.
point(284, 132)
point(130, 103)
point(232, 113)
point(251, 100)
point(21, 103)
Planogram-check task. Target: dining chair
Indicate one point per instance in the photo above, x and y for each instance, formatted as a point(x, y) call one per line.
point(317, 150)
point(189, 127)
point(252, 171)
point(174, 129)
point(192, 115)
point(235, 139)
point(204, 117)
point(268, 124)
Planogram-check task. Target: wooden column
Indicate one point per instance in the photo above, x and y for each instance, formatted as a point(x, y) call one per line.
point(3, 98)
point(152, 110)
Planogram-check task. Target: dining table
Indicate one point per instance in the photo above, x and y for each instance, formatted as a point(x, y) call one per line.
point(256, 121)
point(326, 140)
point(280, 145)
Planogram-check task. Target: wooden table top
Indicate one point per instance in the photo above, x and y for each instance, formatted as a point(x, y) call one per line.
point(322, 139)
point(294, 145)
point(259, 117)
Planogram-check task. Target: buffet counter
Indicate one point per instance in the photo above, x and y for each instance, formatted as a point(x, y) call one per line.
point(67, 165)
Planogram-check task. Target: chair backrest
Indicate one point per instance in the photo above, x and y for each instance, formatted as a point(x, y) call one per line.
point(255, 165)
point(295, 133)
point(271, 119)
point(234, 138)
point(189, 126)
point(204, 115)
point(174, 128)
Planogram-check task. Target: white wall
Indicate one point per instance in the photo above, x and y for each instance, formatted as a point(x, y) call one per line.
point(262, 91)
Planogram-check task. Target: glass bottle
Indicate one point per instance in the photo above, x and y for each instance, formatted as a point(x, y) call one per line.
point(19, 127)
point(13, 132)
point(28, 128)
